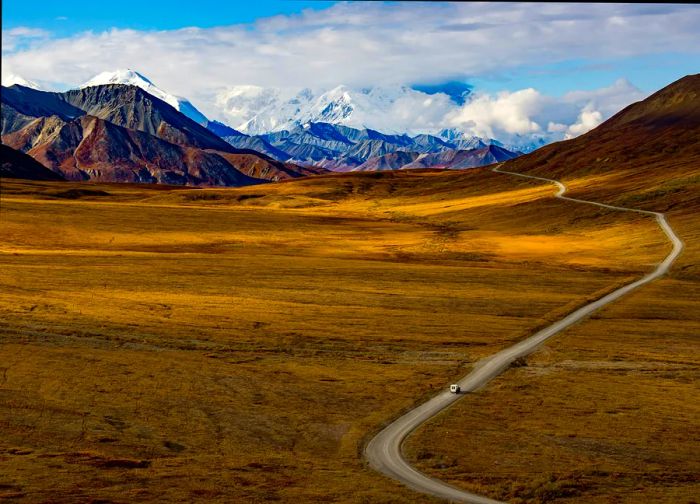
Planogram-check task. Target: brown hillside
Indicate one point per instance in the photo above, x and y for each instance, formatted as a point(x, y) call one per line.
point(648, 155)
point(260, 166)
point(88, 148)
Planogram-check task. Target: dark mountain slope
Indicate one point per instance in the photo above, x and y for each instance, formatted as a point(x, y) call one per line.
point(257, 166)
point(392, 161)
point(17, 164)
point(222, 130)
point(35, 103)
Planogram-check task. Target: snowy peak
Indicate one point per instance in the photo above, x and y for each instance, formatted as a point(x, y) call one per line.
point(130, 77)
point(391, 109)
point(120, 76)
point(256, 110)
point(12, 79)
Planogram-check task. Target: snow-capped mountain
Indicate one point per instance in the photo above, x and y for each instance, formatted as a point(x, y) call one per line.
point(12, 79)
point(527, 143)
point(255, 110)
point(130, 77)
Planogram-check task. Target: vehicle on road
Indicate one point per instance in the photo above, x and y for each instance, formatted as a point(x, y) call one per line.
point(454, 388)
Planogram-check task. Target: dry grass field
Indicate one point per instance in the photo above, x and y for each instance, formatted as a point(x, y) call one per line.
point(240, 345)
point(609, 410)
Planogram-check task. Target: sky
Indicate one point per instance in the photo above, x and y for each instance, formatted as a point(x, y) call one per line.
point(523, 62)
point(68, 17)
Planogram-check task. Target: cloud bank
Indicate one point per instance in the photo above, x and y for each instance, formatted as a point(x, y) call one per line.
point(508, 115)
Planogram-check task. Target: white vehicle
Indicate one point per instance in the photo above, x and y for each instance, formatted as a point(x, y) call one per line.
point(454, 388)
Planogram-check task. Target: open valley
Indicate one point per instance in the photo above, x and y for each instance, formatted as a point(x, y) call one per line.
point(260, 334)
point(349, 252)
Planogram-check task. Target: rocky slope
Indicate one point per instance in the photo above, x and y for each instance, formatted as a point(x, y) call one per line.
point(90, 148)
point(132, 78)
point(134, 108)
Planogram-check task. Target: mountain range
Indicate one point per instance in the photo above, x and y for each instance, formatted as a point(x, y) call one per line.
point(313, 130)
point(119, 126)
point(342, 148)
point(121, 133)
point(255, 110)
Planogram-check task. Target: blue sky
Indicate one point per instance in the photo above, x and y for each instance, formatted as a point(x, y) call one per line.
point(649, 73)
point(67, 17)
point(525, 61)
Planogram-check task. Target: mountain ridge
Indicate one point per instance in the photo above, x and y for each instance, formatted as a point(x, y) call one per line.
point(342, 148)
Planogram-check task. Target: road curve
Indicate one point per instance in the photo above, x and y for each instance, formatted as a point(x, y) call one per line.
point(383, 452)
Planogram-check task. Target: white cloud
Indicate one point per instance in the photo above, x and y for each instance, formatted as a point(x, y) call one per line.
point(391, 109)
point(608, 100)
point(510, 113)
point(362, 43)
point(16, 38)
point(587, 120)
point(554, 127)
point(509, 116)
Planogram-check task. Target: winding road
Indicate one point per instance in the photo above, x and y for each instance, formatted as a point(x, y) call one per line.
point(383, 452)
